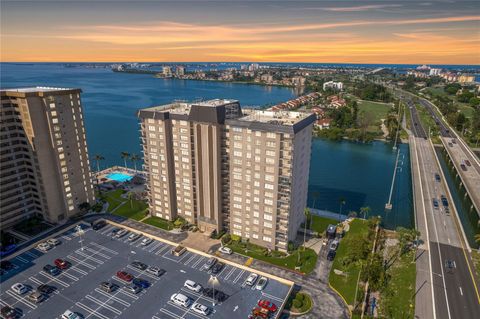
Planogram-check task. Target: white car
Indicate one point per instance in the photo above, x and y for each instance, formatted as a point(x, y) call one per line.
point(70, 315)
point(225, 250)
point(19, 288)
point(201, 309)
point(262, 282)
point(181, 300)
point(134, 236)
point(44, 246)
point(146, 241)
point(192, 285)
point(251, 279)
point(53, 242)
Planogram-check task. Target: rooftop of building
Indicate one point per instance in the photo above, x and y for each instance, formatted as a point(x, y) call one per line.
point(38, 90)
point(286, 118)
point(182, 107)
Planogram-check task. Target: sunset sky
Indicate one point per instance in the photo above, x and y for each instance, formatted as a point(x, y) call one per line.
point(434, 32)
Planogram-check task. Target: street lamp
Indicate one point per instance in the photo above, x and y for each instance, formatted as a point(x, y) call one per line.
point(80, 232)
point(212, 281)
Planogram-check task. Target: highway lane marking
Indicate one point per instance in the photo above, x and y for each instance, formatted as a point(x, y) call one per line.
point(461, 291)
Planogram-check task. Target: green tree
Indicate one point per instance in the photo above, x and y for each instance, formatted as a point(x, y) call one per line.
point(474, 101)
point(406, 238)
point(125, 156)
point(98, 158)
point(364, 211)
point(135, 158)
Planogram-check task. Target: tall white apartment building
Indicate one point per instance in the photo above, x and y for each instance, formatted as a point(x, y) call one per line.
point(224, 168)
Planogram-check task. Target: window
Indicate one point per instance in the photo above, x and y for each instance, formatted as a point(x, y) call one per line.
point(268, 239)
point(270, 153)
point(151, 128)
point(237, 153)
point(268, 201)
point(237, 129)
point(267, 217)
point(271, 135)
point(269, 160)
point(237, 226)
point(55, 121)
point(255, 236)
point(268, 186)
point(237, 232)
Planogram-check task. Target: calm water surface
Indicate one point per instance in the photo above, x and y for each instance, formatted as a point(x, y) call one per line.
point(359, 173)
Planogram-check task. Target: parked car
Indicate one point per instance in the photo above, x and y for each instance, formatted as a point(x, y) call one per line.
point(61, 263)
point(52, 270)
point(99, 224)
point(141, 282)
point(181, 300)
point(139, 265)
point(251, 279)
point(331, 255)
point(134, 236)
point(192, 285)
point(178, 251)
point(225, 250)
point(19, 288)
point(437, 177)
point(53, 242)
point(134, 289)
point(265, 304)
point(201, 309)
point(262, 283)
point(115, 231)
point(219, 295)
point(209, 264)
point(8, 312)
point(70, 315)
point(121, 233)
point(125, 276)
point(44, 246)
point(157, 271)
point(334, 244)
point(146, 241)
point(6, 265)
point(46, 289)
point(435, 203)
point(36, 297)
point(450, 144)
point(108, 286)
point(217, 267)
point(444, 200)
point(467, 162)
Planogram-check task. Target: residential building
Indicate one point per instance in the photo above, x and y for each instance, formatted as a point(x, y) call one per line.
point(180, 70)
point(44, 158)
point(224, 168)
point(435, 72)
point(333, 85)
point(167, 71)
point(466, 78)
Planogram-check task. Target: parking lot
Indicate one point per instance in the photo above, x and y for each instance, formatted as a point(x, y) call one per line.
point(96, 256)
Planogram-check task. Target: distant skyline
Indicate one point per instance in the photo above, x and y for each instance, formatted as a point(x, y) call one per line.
point(393, 32)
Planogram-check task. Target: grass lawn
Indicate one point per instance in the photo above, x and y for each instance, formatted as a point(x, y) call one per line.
point(396, 301)
point(159, 222)
point(114, 199)
point(476, 261)
point(466, 109)
point(346, 285)
point(135, 210)
point(320, 223)
point(380, 110)
point(308, 258)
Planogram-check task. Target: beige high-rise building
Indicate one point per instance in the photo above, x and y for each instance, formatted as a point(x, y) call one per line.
point(44, 159)
point(224, 168)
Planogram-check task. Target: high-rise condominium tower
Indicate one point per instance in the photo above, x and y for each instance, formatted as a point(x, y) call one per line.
point(224, 168)
point(44, 158)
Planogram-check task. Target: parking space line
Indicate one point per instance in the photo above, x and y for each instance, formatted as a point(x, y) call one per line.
point(91, 311)
point(66, 274)
point(103, 304)
point(31, 254)
point(98, 253)
point(81, 262)
point(140, 273)
point(178, 307)
point(98, 261)
point(65, 237)
point(23, 260)
point(272, 297)
point(104, 248)
point(198, 261)
point(128, 294)
point(223, 270)
point(119, 300)
point(75, 268)
point(169, 313)
point(184, 255)
point(22, 300)
point(190, 259)
point(35, 280)
point(162, 249)
point(154, 246)
point(44, 274)
point(238, 276)
point(230, 273)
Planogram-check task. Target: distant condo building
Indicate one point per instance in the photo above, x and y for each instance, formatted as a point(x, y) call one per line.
point(435, 72)
point(180, 70)
point(167, 71)
point(333, 85)
point(44, 159)
point(224, 168)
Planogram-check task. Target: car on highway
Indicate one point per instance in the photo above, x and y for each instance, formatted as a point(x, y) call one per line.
point(139, 265)
point(44, 247)
point(181, 300)
point(467, 162)
point(262, 283)
point(219, 295)
point(146, 241)
point(68, 314)
point(36, 297)
point(121, 233)
point(266, 304)
point(435, 203)
point(437, 177)
point(125, 276)
point(46, 289)
point(251, 279)
point(52, 270)
point(19, 288)
point(108, 286)
point(450, 144)
point(61, 263)
point(157, 271)
point(331, 255)
point(217, 268)
point(53, 242)
point(201, 309)
point(209, 264)
point(8, 312)
point(444, 200)
point(134, 236)
point(134, 289)
point(141, 282)
point(225, 250)
point(453, 140)
point(464, 168)
point(192, 285)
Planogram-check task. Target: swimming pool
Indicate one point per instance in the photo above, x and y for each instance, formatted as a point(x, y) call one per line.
point(119, 176)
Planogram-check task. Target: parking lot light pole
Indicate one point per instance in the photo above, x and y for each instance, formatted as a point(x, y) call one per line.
point(80, 232)
point(213, 280)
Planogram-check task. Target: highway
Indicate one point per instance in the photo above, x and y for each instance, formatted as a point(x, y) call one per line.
point(446, 286)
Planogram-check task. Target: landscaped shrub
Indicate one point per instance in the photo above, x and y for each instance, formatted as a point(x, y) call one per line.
point(226, 239)
point(291, 246)
point(297, 304)
point(236, 238)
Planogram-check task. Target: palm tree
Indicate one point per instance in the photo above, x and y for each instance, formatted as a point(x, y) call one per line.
point(125, 156)
point(134, 158)
point(364, 211)
point(98, 158)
